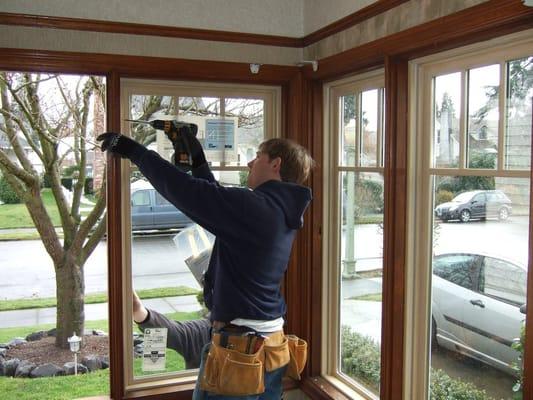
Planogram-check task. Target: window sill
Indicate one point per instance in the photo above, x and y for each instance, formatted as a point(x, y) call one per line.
point(320, 388)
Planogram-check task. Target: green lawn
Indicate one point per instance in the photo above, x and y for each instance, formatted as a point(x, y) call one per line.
point(16, 215)
point(24, 304)
point(72, 387)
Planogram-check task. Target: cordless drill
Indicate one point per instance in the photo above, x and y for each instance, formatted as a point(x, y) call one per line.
point(176, 132)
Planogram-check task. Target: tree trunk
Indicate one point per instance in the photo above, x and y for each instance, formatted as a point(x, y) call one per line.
point(70, 289)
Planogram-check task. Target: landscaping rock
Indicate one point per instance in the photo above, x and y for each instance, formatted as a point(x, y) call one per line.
point(24, 369)
point(32, 337)
point(98, 332)
point(137, 341)
point(2, 366)
point(46, 370)
point(52, 332)
point(11, 366)
point(105, 362)
point(3, 352)
point(4, 346)
point(69, 368)
point(92, 363)
point(16, 341)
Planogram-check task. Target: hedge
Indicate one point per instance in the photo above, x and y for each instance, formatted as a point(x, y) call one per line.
point(7, 194)
point(360, 357)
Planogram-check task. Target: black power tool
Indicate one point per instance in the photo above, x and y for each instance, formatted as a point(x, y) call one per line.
point(176, 131)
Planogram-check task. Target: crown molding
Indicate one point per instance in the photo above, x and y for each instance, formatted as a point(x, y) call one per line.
point(92, 25)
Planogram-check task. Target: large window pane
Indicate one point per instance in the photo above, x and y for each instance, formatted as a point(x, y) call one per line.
point(518, 128)
point(483, 116)
point(54, 279)
point(166, 246)
point(447, 132)
point(480, 258)
point(361, 277)
point(369, 128)
point(347, 123)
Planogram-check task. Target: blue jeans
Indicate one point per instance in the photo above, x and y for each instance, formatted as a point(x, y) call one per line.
point(273, 385)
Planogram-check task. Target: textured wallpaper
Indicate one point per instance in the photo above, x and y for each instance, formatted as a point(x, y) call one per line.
point(404, 16)
point(320, 13)
point(270, 17)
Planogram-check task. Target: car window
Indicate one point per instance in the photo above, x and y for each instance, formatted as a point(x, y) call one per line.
point(504, 281)
point(160, 200)
point(479, 198)
point(140, 198)
point(461, 269)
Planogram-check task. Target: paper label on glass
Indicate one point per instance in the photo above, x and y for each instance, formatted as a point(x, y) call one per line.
point(155, 348)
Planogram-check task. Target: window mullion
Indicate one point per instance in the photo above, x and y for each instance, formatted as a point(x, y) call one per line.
point(463, 121)
point(502, 120)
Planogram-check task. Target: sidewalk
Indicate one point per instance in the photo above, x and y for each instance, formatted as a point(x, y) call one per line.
point(37, 316)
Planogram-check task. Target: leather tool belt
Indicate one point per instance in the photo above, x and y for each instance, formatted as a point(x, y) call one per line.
point(238, 358)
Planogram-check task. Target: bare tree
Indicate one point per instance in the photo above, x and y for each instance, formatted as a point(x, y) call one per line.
point(35, 123)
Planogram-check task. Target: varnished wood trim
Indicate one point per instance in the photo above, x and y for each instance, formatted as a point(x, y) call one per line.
point(485, 21)
point(395, 218)
point(114, 246)
point(353, 19)
point(528, 350)
point(318, 388)
point(91, 25)
point(142, 67)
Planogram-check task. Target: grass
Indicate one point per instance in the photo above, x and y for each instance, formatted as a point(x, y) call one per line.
point(72, 387)
point(94, 298)
point(368, 297)
point(14, 216)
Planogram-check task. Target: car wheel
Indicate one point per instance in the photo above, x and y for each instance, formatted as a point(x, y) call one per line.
point(434, 343)
point(465, 216)
point(503, 214)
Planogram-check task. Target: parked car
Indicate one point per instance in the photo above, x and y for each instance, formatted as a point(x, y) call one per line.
point(477, 204)
point(476, 307)
point(151, 211)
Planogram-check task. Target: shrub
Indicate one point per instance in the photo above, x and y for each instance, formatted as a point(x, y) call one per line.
point(7, 194)
point(88, 187)
point(361, 360)
point(46, 181)
point(67, 183)
point(443, 196)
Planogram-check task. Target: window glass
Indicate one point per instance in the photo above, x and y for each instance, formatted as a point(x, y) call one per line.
point(480, 235)
point(518, 118)
point(358, 238)
point(483, 116)
point(165, 243)
point(446, 136)
point(54, 283)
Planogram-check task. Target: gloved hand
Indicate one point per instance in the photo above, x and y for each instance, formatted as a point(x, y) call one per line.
point(197, 152)
point(121, 145)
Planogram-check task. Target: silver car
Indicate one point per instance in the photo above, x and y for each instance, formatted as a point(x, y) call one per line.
point(477, 302)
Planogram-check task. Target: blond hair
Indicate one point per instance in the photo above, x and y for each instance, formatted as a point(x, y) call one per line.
point(296, 163)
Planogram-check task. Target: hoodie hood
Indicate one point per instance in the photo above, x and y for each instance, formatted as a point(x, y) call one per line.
point(293, 199)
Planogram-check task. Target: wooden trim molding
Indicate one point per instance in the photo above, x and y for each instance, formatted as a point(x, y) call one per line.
point(527, 389)
point(394, 222)
point(92, 25)
point(357, 17)
point(482, 22)
point(142, 67)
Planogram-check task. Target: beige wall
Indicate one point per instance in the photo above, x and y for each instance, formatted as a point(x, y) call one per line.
point(279, 17)
point(320, 13)
point(153, 46)
point(271, 17)
point(406, 15)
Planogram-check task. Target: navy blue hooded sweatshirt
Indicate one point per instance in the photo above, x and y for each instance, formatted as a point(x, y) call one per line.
point(254, 234)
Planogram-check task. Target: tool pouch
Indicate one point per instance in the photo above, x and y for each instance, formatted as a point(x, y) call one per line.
point(277, 356)
point(298, 356)
point(232, 373)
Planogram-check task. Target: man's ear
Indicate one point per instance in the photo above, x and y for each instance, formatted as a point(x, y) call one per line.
point(276, 164)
